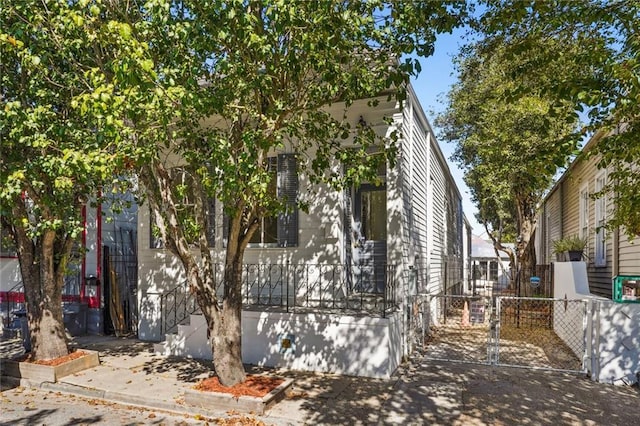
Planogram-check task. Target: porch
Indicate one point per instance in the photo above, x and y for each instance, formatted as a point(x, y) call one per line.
point(323, 318)
point(293, 288)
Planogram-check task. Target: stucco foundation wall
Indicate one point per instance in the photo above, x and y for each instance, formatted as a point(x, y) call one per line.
point(359, 346)
point(616, 342)
point(612, 329)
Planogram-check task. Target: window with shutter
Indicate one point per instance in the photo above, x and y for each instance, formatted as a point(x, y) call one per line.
point(288, 191)
point(280, 230)
point(584, 211)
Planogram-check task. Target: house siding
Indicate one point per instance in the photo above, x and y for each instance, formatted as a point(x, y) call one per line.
point(561, 210)
point(424, 228)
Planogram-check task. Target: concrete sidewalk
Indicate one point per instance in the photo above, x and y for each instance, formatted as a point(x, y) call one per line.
point(419, 393)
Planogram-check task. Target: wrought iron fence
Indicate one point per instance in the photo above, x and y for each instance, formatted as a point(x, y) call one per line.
point(529, 282)
point(295, 286)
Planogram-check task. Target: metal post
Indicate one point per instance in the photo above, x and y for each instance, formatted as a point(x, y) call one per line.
point(518, 300)
point(286, 272)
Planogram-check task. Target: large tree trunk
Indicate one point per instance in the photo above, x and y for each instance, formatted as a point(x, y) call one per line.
point(223, 325)
point(226, 333)
point(42, 279)
point(525, 249)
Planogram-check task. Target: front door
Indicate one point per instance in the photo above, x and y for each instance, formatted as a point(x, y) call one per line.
point(370, 239)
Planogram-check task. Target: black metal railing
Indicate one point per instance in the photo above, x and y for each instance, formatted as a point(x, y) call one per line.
point(358, 289)
point(176, 305)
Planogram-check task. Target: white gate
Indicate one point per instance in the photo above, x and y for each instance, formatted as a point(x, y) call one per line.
point(509, 331)
point(541, 333)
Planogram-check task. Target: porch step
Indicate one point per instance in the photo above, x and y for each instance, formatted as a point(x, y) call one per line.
point(190, 341)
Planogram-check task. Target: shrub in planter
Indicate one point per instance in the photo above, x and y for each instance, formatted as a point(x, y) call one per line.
point(569, 249)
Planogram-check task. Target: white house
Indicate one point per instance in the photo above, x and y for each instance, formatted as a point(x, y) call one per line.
point(329, 290)
point(491, 271)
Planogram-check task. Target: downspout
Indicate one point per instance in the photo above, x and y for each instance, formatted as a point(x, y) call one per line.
point(83, 265)
point(99, 252)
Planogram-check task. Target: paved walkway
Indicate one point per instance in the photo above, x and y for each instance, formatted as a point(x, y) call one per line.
point(419, 393)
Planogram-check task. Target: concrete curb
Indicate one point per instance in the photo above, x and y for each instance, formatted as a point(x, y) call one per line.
point(116, 397)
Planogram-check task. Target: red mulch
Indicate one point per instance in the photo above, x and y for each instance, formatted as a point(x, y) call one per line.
point(254, 386)
point(52, 362)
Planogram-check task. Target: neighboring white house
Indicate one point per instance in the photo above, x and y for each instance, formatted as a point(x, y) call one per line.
point(490, 271)
point(326, 290)
point(108, 243)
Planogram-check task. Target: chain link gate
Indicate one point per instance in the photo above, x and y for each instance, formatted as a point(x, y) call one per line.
point(540, 333)
point(458, 328)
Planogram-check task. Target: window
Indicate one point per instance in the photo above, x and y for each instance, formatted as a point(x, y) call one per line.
point(183, 186)
point(600, 207)
point(493, 271)
point(584, 211)
point(279, 230)
point(373, 214)
point(267, 232)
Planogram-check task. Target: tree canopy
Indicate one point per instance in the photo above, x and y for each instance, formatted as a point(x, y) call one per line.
point(194, 98)
point(607, 89)
point(510, 141)
point(54, 160)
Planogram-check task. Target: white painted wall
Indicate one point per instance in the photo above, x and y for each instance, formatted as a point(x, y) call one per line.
point(359, 346)
point(612, 329)
point(320, 342)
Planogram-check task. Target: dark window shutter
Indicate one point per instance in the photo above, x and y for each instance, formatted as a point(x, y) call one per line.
point(155, 241)
point(347, 225)
point(211, 222)
point(288, 190)
point(225, 229)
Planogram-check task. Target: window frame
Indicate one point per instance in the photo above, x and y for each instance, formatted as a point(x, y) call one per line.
point(600, 239)
point(584, 211)
point(286, 182)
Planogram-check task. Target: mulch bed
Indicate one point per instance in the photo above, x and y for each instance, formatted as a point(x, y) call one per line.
point(257, 386)
point(52, 362)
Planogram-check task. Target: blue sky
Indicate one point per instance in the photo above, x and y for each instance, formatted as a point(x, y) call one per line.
point(431, 86)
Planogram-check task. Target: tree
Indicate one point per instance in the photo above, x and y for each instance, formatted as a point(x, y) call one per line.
point(261, 77)
point(54, 160)
point(510, 142)
point(609, 88)
point(217, 86)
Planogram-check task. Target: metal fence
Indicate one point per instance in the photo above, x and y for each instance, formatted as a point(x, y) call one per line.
point(530, 282)
point(458, 328)
point(540, 333)
point(294, 287)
